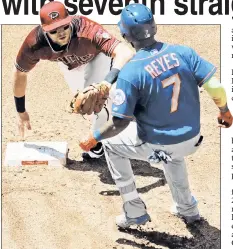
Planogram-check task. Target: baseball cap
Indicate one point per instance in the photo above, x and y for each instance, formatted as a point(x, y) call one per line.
point(54, 15)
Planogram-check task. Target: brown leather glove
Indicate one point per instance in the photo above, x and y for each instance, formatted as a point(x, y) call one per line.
point(90, 99)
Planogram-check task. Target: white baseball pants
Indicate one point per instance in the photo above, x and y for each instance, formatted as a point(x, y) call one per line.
point(81, 77)
point(127, 145)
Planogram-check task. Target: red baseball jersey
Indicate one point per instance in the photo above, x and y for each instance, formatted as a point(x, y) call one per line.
point(88, 39)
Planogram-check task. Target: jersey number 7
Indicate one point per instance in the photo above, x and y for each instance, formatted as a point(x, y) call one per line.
point(175, 81)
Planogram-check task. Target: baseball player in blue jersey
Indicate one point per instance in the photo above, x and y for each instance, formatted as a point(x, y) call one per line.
point(159, 89)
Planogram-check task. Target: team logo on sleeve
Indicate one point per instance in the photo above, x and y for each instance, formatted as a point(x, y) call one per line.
point(102, 34)
point(118, 97)
point(106, 35)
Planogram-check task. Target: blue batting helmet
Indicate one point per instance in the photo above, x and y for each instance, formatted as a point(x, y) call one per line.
point(137, 23)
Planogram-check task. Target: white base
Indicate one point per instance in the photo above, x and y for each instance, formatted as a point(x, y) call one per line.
point(36, 153)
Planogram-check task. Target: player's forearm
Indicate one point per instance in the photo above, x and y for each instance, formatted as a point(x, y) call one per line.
point(19, 88)
point(113, 127)
point(122, 54)
point(19, 83)
point(217, 93)
point(110, 129)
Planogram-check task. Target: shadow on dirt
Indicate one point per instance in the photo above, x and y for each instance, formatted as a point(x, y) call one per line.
point(204, 237)
point(100, 165)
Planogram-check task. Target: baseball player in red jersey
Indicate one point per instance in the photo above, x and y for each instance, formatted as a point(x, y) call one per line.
point(84, 50)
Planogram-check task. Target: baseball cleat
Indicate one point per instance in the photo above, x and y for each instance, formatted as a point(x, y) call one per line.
point(122, 221)
point(191, 219)
point(188, 219)
point(94, 153)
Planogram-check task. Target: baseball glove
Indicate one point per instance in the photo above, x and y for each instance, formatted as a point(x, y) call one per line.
point(90, 99)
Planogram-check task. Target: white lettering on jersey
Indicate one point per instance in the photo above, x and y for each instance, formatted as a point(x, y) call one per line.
point(162, 64)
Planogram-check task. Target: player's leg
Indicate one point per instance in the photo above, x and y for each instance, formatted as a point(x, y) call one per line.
point(134, 209)
point(95, 72)
point(185, 203)
point(97, 69)
point(176, 175)
point(118, 150)
point(79, 78)
point(74, 78)
point(127, 145)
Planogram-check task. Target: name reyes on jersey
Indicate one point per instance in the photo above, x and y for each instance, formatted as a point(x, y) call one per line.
point(162, 64)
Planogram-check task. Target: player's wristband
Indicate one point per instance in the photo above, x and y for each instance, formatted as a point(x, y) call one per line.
point(224, 109)
point(112, 75)
point(20, 104)
point(97, 135)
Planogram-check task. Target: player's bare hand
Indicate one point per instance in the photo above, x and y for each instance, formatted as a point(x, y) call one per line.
point(24, 121)
point(225, 119)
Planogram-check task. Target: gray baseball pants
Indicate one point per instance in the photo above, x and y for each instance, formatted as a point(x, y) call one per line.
point(127, 145)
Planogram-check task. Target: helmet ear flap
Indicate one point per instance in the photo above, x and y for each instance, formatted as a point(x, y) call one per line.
point(144, 31)
point(140, 33)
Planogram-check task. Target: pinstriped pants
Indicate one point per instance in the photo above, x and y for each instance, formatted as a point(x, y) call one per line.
point(127, 145)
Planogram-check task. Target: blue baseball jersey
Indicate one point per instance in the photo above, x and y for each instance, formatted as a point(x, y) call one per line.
point(159, 88)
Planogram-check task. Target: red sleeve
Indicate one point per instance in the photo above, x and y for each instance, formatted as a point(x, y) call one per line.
point(93, 31)
point(26, 58)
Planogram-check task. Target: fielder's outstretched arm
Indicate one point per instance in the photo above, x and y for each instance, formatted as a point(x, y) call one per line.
point(112, 128)
point(19, 89)
point(19, 83)
point(121, 54)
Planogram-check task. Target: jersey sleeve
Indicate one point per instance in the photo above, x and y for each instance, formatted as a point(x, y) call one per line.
point(26, 58)
point(124, 100)
point(102, 39)
point(201, 68)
